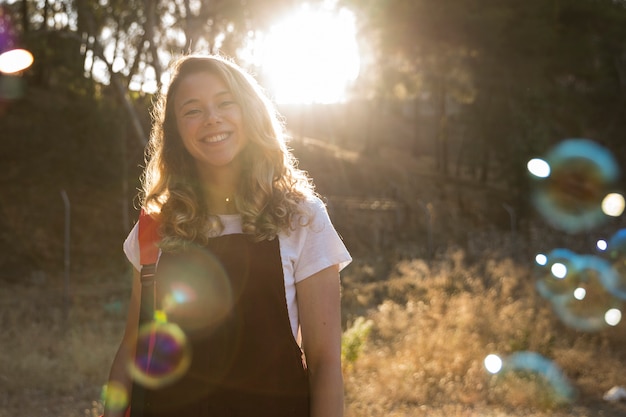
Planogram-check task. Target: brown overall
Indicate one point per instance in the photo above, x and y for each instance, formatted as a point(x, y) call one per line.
point(245, 361)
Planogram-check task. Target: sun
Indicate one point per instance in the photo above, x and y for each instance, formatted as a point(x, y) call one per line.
point(311, 56)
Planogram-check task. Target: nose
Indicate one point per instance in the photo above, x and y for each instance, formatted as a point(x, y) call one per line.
point(212, 117)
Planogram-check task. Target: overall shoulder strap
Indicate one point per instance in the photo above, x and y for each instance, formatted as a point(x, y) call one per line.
point(148, 239)
point(148, 255)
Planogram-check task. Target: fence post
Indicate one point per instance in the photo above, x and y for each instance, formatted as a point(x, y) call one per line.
point(66, 281)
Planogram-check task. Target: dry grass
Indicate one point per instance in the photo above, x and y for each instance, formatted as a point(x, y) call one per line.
point(52, 365)
point(437, 323)
point(431, 327)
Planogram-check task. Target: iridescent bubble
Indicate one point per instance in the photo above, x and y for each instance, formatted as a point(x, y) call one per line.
point(163, 355)
point(581, 174)
point(115, 396)
point(536, 364)
point(586, 307)
point(558, 275)
point(194, 290)
point(616, 253)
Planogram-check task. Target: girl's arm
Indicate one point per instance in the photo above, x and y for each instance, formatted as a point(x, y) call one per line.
point(319, 307)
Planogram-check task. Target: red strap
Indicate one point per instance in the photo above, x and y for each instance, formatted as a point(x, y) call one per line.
point(148, 239)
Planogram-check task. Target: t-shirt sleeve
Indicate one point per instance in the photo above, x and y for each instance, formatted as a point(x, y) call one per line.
point(318, 244)
point(131, 247)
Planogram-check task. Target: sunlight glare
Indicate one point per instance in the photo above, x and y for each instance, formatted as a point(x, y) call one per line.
point(311, 56)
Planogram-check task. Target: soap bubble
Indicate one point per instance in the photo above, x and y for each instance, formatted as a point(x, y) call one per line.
point(557, 275)
point(581, 175)
point(544, 368)
point(586, 306)
point(616, 253)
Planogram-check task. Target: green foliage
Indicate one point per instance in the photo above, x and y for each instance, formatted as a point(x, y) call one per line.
point(354, 338)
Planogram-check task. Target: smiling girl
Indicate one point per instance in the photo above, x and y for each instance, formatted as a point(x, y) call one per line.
point(264, 333)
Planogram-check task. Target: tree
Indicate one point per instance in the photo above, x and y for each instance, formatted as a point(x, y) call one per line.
point(517, 76)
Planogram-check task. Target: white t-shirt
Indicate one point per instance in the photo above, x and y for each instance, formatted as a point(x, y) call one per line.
point(303, 251)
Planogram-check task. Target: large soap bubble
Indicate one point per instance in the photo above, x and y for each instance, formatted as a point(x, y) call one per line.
point(570, 193)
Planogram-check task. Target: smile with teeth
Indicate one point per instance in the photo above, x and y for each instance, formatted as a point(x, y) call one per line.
point(216, 138)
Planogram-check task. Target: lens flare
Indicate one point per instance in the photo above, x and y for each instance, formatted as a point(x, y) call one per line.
point(581, 174)
point(194, 290)
point(163, 355)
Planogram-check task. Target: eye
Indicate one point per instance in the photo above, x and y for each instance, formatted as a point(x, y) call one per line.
point(226, 103)
point(191, 112)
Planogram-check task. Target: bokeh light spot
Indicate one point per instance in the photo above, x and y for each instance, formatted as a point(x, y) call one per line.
point(541, 259)
point(15, 60)
point(613, 316)
point(115, 396)
point(539, 168)
point(559, 270)
point(493, 363)
point(601, 244)
point(613, 204)
point(580, 293)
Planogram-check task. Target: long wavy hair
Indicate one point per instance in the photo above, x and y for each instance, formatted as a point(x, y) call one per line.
point(271, 188)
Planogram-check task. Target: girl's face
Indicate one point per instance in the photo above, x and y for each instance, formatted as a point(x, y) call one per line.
point(209, 121)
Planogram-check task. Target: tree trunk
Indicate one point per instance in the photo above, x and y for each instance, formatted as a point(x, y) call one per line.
point(442, 129)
